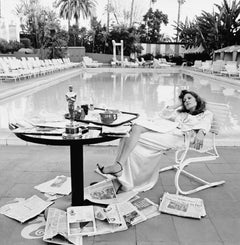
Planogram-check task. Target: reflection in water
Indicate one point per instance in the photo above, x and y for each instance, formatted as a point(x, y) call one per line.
point(145, 93)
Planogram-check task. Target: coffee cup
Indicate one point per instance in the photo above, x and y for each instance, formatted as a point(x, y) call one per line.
point(108, 116)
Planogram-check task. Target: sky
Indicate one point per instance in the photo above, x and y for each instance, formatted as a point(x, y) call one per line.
point(189, 9)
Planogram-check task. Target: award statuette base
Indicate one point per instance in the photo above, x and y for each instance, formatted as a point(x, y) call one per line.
point(72, 131)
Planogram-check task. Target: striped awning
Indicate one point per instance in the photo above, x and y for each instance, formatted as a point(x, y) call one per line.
point(193, 50)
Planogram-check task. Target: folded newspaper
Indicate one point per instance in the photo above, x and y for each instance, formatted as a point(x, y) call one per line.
point(120, 131)
point(59, 185)
point(56, 229)
point(81, 221)
point(182, 206)
point(130, 213)
point(148, 208)
point(109, 219)
point(25, 209)
point(104, 192)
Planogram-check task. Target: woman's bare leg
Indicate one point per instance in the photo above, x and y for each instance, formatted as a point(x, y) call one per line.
point(127, 147)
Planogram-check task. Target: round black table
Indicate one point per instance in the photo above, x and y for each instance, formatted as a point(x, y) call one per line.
point(76, 157)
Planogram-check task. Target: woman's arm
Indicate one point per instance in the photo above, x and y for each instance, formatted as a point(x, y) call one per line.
point(203, 128)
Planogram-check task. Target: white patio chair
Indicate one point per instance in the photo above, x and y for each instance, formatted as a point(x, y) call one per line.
point(182, 160)
point(197, 64)
point(158, 64)
point(231, 70)
point(6, 73)
point(206, 66)
point(89, 62)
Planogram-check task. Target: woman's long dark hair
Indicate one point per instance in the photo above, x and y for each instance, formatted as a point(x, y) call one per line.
point(201, 104)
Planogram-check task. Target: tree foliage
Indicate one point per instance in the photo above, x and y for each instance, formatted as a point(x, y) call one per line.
point(151, 30)
point(75, 8)
point(213, 30)
point(39, 23)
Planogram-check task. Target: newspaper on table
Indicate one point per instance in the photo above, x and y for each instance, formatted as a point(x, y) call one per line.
point(120, 131)
point(81, 221)
point(104, 192)
point(59, 185)
point(148, 208)
point(56, 229)
point(182, 206)
point(130, 213)
point(109, 220)
point(25, 209)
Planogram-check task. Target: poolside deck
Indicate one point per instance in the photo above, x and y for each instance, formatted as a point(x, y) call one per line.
point(32, 165)
point(25, 165)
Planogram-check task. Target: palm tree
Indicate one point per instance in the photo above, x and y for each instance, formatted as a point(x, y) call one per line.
point(74, 8)
point(131, 15)
point(152, 2)
point(180, 2)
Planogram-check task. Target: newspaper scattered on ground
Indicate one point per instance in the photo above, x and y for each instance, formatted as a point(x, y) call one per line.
point(148, 208)
point(130, 213)
point(104, 192)
point(59, 185)
point(182, 206)
point(81, 221)
point(25, 209)
point(109, 219)
point(56, 229)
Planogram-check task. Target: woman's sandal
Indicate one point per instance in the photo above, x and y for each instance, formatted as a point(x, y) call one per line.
point(115, 174)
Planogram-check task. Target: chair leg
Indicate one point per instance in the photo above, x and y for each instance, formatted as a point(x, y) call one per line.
point(168, 168)
point(205, 184)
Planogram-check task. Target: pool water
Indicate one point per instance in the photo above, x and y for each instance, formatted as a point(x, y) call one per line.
point(142, 92)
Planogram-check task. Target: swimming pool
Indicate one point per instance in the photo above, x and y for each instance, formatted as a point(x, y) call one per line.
point(144, 92)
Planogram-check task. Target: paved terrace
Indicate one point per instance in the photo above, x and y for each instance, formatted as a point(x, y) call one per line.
point(23, 166)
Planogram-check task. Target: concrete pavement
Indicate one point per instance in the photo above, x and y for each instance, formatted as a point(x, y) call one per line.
point(23, 167)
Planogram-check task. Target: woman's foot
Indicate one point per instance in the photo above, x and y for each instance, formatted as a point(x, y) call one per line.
point(115, 169)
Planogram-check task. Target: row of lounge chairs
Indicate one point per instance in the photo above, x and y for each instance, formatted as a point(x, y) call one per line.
point(218, 67)
point(155, 63)
point(12, 68)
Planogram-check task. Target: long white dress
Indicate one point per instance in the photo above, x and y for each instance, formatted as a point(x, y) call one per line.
point(141, 170)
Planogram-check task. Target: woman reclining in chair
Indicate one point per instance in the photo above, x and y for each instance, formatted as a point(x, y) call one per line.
point(138, 159)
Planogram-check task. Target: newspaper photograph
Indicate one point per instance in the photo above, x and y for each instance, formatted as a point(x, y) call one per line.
point(182, 206)
point(81, 221)
point(56, 229)
point(130, 214)
point(109, 220)
point(59, 185)
point(148, 208)
point(25, 209)
point(104, 192)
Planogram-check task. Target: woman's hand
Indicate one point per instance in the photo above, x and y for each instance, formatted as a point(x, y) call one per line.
point(198, 140)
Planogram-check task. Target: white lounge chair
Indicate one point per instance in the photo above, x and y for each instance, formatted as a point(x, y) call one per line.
point(158, 64)
point(217, 66)
point(127, 63)
point(206, 66)
point(230, 70)
point(197, 64)
point(7, 74)
point(164, 61)
point(182, 160)
point(89, 62)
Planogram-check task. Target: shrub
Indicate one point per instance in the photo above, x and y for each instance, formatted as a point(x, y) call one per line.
point(14, 46)
point(26, 42)
point(147, 56)
point(3, 46)
point(176, 59)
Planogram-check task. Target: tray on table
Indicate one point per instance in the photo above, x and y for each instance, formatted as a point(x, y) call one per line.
point(40, 131)
point(125, 117)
